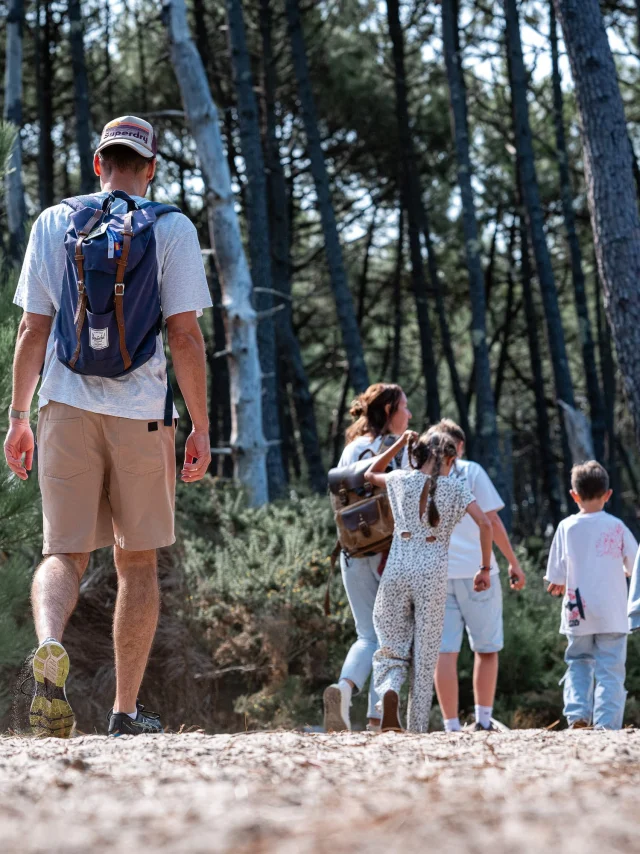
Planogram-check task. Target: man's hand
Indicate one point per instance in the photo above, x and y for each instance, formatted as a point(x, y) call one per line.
point(19, 443)
point(517, 579)
point(482, 580)
point(556, 589)
point(198, 448)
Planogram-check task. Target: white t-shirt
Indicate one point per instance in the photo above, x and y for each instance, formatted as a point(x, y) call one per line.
point(589, 555)
point(465, 554)
point(183, 287)
point(354, 450)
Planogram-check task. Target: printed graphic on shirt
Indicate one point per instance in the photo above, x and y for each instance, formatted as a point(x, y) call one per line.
point(575, 605)
point(98, 339)
point(611, 543)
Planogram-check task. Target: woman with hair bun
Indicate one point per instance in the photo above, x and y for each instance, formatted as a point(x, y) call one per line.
point(380, 414)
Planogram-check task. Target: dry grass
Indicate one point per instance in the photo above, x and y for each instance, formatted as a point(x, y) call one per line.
point(291, 793)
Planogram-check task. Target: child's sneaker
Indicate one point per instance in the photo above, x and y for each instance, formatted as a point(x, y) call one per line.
point(336, 709)
point(50, 714)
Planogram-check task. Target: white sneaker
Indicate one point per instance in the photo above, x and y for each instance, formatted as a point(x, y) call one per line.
point(336, 709)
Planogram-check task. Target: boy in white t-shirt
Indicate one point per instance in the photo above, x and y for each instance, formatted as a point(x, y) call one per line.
point(590, 555)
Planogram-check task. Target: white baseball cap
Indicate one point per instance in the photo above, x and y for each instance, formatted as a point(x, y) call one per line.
point(132, 132)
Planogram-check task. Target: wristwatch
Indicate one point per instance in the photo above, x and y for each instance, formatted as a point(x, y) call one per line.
point(20, 414)
point(485, 569)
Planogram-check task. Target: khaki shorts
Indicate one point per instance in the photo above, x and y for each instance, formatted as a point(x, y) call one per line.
point(104, 480)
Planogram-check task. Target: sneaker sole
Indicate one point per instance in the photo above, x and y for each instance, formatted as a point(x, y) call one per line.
point(51, 715)
point(333, 720)
point(390, 713)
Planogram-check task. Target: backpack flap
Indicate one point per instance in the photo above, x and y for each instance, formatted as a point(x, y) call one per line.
point(349, 477)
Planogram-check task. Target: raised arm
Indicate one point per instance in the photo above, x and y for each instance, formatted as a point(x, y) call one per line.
point(376, 474)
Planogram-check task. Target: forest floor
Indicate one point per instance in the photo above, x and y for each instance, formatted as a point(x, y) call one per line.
point(292, 793)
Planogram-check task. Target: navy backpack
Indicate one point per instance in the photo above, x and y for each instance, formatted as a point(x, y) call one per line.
point(110, 313)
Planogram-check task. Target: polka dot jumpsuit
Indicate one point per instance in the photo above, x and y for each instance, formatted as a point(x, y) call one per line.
point(409, 609)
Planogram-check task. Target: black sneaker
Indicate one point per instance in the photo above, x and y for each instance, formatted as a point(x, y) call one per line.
point(121, 724)
point(477, 727)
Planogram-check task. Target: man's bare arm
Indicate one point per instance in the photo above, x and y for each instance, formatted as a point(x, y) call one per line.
point(501, 539)
point(189, 362)
point(31, 347)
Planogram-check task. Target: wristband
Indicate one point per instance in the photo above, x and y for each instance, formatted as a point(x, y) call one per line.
point(485, 569)
point(20, 414)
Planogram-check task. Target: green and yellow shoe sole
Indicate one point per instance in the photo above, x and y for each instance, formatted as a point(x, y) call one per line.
point(50, 714)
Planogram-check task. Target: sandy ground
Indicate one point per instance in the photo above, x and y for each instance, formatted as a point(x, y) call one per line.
point(523, 791)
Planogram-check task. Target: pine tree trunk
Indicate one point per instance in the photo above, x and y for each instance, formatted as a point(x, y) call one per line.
point(337, 271)
point(608, 374)
point(247, 439)
point(107, 87)
point(487, 444)
point(14, 189)
point(44, 73)
point(81, 91)
point(412, 201)
point(398, 319)
point(609, 178)
point(288, 344)
point(219, 396)
point(533, 206)
point(579, 288)
point(259, 246)
point(549, 471)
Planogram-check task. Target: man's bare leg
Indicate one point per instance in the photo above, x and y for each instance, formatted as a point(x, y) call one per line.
point(54, 595)
point(134, 622)
point(54, 592)
point(485, 678)
point(446, 682)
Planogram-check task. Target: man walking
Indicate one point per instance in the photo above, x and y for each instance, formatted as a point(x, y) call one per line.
point(479, 612)
point(110, 267)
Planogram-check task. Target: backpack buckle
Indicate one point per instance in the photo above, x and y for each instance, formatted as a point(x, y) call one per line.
point(121, 292)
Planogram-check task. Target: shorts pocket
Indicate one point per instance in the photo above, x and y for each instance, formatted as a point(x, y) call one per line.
point(483, 595)
point(139, 449)
point(62, 448)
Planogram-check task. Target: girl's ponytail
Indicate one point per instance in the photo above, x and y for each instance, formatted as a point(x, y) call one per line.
point(433, 514)
point(435, 446)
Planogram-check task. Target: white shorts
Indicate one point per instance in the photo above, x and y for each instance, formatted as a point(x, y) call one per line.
point(480, 613)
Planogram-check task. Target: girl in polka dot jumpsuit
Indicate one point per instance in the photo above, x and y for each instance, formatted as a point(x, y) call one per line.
point(409, 609)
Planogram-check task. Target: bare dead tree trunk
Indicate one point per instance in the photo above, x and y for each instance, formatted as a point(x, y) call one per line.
point(259, 244)
point(14, 189)
point(533, 206)
point(412, 200)
point(247, 439)
point(81, 91)
point(609, 177)
point(337, 271)
point(288, 344)
point(487, 444)
point(579, 288)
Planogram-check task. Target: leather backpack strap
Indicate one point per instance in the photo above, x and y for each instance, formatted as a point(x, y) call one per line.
point(81, 307)
point(119, 288)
